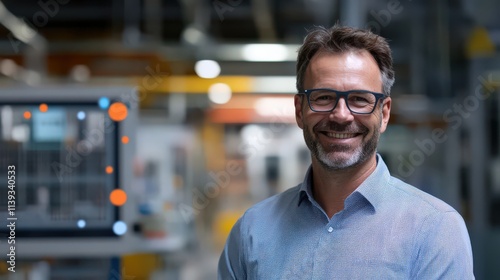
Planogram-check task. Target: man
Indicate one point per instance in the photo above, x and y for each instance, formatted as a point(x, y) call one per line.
point(349, 219)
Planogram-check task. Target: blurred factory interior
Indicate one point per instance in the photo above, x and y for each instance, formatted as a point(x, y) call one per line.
point(141, 130)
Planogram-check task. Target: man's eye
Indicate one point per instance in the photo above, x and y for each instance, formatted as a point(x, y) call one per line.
point(325, 97)
point(359, 99)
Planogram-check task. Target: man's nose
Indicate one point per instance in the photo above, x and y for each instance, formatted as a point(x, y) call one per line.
point(341, 113)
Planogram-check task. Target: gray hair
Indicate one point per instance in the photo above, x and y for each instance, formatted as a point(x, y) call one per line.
point(342, 39)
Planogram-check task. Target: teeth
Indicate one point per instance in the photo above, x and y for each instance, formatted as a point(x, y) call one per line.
point(340, 135)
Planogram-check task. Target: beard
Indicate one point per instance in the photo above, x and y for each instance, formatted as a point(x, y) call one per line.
point(329, 157)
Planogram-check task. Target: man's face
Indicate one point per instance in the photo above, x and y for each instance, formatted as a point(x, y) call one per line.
point(341, 139)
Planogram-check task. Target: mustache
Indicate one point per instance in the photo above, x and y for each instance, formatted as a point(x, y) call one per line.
point(341, 128)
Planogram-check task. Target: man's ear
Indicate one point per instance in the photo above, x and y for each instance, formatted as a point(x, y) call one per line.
point(298, 99)
point(386, 113)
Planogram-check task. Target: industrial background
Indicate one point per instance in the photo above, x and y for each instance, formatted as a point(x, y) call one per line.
point(140, 130)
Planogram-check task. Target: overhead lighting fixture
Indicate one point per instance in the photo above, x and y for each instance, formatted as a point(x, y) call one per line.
point(193, 35)
point(264, 52)
point(207, 69)
point(219, 93)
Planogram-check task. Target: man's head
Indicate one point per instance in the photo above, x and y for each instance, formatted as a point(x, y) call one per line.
point(342, 39)
point(345, 60)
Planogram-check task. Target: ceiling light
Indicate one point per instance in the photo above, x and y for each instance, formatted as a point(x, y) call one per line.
point(219, 93)
point(207, 69)
point(264, 52)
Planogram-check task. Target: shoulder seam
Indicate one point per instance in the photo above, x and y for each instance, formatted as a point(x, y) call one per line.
point(451, 209)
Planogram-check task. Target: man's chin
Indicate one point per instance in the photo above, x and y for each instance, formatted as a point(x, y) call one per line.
point(338, 160)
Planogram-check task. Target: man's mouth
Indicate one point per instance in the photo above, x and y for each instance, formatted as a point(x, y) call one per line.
point(340, 135)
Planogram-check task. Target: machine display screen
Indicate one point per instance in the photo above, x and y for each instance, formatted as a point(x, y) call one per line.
point(65, 157)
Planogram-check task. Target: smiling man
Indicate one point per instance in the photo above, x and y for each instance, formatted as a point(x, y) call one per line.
point(349, 218)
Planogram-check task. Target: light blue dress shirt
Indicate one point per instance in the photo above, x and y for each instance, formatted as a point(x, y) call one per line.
point(387, 230)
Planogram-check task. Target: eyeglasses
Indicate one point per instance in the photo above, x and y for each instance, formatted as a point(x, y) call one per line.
point(358, 101)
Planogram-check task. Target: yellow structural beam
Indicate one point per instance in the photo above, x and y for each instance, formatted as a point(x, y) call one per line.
point(197, 85)
point(238, 84)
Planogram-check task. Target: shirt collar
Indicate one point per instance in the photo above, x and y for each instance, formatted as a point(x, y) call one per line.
point(373, 189)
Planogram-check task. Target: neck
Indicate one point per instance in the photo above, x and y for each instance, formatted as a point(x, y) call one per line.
point(331, 187)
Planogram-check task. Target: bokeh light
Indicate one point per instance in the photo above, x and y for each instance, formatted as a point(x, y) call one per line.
point(80, 115)
point(104, 102)
point(118, 197)
point(27, 115)
point(117, 111)
point(43, 107)
point(119, 228)
point(219, 93)
point(81, 223)
point(207, 69)
point(109, 169)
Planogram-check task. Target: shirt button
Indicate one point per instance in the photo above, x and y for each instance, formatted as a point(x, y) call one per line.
point(330, 229)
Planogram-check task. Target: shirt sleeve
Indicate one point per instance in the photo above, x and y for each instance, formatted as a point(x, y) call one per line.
point(443, 249)
point(231, 262)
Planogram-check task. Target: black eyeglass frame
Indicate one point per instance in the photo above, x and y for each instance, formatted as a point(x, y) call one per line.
point(344, 94)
